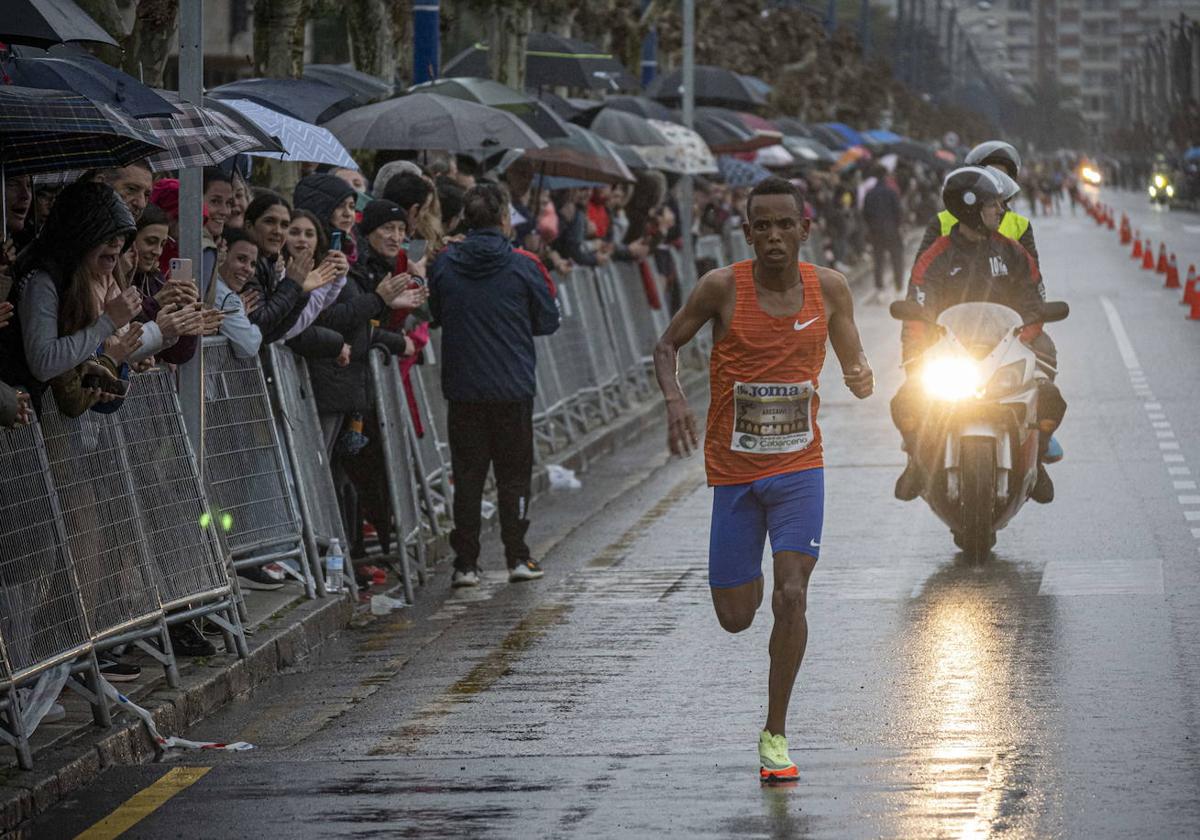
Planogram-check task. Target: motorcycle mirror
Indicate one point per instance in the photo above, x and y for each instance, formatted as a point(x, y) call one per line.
point(909, 310)
point(1055, 310)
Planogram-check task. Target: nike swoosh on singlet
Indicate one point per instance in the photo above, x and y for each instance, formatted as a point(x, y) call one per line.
point(799, 326)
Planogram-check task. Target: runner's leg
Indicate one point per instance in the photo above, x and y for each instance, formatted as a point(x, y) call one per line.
point(789, 636)
point(735, 549)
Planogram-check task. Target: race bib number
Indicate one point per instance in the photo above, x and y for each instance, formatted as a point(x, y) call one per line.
point(772, 417)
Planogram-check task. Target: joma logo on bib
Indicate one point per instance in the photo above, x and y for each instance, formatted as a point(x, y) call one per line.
point(756, 391)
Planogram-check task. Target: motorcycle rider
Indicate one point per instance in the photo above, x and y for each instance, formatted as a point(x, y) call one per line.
point(973, 262)
point(1003, 157)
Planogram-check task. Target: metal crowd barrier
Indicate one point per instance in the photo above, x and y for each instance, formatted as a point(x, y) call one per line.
point(431, 456)
point(390, 406)
point(316, 494)
point(244, 466)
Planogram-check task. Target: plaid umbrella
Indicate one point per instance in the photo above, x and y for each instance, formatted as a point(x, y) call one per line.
point(44, 131)
point(741, 173)
point(199, 136)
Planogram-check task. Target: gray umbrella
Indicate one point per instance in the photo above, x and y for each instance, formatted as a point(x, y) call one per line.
point(430, 121)
point(624, 128)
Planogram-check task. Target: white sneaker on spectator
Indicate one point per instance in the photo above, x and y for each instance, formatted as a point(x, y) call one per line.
point(525, 570)
point(464, 577)
point(256, 578)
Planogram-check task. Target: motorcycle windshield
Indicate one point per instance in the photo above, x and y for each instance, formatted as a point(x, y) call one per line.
point(980, 326)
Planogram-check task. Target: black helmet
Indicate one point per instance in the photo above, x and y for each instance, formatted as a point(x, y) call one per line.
point(966, 190)
point(997, 153)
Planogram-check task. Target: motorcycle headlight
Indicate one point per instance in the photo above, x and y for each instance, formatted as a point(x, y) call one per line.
point(951, 378)
point(1170, 191)
point(1153, 191)
point(1160, 181)
point(1007, 379)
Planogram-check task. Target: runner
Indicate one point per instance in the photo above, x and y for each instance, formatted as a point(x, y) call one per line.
point(762, 451)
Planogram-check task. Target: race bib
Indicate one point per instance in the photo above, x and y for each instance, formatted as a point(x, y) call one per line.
point(772, 417)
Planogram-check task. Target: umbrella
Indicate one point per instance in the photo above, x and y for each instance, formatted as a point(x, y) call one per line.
point(805, 150)
point(775, 157)
point(828, 137)
point(89, 77)
point(687, 153)
point(304, 99)
point(44, 131)
point(725, 132)
point(1192, 154)
point(198, 136)
point(365, 87)
point(913, 150)
point(581, 155)
point(758, 85)
point(43, 23)
point(741, 173)
point(641, 106)
point(553, 61)
point(300, 140)
point(792, 127)
point(714, 86)
point(562, 106)
point(850, 157)
point(430, 121)
point(848, 134)
point(624, 127)
point(537, 115)
point(473, 89)
point(882, 136)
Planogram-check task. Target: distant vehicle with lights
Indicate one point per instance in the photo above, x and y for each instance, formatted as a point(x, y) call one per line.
point(1090, 174)
point(1161, 190)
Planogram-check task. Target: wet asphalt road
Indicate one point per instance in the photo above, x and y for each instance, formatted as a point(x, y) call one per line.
point(1052, 692)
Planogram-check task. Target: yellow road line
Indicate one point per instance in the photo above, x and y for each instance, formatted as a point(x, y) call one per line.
point(143, 803)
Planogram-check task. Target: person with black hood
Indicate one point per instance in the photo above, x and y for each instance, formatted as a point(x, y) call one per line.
point(490, 301)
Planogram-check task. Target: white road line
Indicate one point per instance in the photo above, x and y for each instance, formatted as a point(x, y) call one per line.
point(1179, 470)
point(1118, 330)
point(1153, 406)
point(1168, 444)
point(1155, 415)
point(1192, 515)
point(1196, 533)
point(1189, 500)
point(1164, 435)
point(1185, 485)
point(1162, 424)
point(1173, 458)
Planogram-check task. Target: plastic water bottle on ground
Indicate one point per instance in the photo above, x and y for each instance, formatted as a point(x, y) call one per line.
point(335, 564)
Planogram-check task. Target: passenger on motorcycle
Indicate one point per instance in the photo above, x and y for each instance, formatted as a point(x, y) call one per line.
point(973, 262)
point(1002, 157)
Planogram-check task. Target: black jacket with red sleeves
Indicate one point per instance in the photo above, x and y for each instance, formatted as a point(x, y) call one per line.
point(956, 270)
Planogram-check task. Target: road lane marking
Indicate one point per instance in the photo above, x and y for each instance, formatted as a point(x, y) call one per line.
point(1162, 424)
point(1153, 406)
point(144, 803)
point(1118, 330)
point(1192, 515)
point(1179, 470)
point(1189, 500)
point(1173, 458)
point(1196, 533)
point(1168, 444)
point(1164, 435)
point(1184, 485)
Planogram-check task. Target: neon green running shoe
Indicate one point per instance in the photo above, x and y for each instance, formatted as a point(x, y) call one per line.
point(774, 760)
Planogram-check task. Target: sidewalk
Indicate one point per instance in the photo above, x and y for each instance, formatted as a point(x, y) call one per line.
point(284, 632)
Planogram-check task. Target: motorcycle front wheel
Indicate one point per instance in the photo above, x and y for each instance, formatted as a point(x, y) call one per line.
point(977, 502)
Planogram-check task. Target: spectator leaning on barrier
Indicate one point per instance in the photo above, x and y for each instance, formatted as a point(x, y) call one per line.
point(73, 316)
point(490, 302)
point(308, 245)
point(18, 196)
point(233, 273)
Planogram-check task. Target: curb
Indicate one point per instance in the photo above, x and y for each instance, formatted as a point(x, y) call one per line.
point(279, 644)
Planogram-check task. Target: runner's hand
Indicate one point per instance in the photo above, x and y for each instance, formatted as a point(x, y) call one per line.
point(860, 380)
point(682, 436)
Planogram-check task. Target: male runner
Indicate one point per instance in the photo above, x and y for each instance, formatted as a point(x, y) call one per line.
point(762, 450)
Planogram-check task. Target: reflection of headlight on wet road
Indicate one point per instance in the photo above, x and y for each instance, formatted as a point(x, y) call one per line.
point(951, 378)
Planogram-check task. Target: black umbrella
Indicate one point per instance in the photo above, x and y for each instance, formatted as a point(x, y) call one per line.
point(553, 61)
point(714, 86)
point(365, 87)
point(562, 106)
point(792, 127)
point(430, 121)
point(624, 128)
point(43, 23)
point(304, 99)
point(641, 106)
point(913, 150)
point(89, 77)
point(725, 132)
point(534, 113)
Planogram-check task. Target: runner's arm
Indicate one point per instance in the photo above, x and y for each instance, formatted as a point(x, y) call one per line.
point(704, 304)
point(843, 333)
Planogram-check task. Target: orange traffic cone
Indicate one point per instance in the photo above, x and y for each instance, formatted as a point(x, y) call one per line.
point(1194, 315)
point(1137, 245)
point(1172, 274)
point(1163, 265)
point(1148, 257)
point(1112, 225)
point(1189, 288)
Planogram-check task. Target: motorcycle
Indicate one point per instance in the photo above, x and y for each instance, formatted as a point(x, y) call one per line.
point(979, 445)
point(1161, 190)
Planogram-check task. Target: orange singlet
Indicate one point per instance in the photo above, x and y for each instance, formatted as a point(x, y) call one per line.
point(762, 419)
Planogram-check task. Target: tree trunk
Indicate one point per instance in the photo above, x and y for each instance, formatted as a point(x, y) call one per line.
point(279, 38)
point(146, 47)
point(509, 34)
point(106, 13)
point(402, 35)
point(372, 42)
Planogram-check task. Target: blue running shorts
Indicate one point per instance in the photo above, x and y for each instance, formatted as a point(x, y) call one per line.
point(790, 507)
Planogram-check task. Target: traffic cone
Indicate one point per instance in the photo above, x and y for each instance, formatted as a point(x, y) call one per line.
point(1163, 265)
point(1194, 315)
point(1172, 274)
point(1148, 257)
point(1137, 245)
point(1126, 233)
point(1112, 225)
point(1189, 288)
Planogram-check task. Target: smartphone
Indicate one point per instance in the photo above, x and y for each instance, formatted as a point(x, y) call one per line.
point(416, 249)
point(181, 269)
point(335, 241)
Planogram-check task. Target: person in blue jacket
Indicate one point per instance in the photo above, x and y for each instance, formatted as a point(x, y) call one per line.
point(490, 300)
